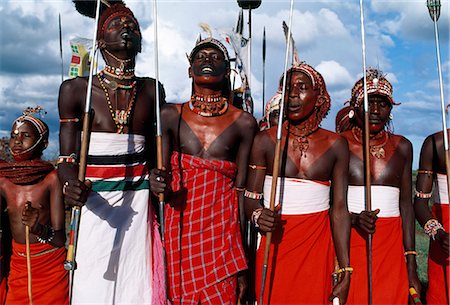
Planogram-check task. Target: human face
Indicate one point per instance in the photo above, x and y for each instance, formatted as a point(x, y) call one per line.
point(23, 137)
point(208, 66)
point(122, 32)
point(301, 97)
point(273, 117)
point(379, 111)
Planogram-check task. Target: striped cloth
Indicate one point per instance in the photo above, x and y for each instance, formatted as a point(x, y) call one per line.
point(117, 233)
point(203, 241)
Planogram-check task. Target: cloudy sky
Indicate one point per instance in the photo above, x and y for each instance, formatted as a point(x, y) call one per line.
point(399, 37)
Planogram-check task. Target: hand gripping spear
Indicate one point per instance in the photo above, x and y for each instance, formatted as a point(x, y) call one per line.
point(70, 263)
point(434, 8)
point(276, 160)
point(366, 151)
point(159, 159)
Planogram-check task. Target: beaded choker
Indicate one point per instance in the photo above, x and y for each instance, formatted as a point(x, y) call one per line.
point(120, 117)
point(114, 85)
point(120, 73)
point(301, 133)
point(375, 150)
point(208, 106)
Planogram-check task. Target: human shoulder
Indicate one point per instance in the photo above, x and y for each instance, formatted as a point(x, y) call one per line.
point(246, 120)
point(403, 144)
point(73, 84)
point(333, 138)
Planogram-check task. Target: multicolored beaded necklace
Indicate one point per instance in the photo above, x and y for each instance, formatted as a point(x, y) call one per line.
point(375, 150)
point(301, 133)
point(208, 106)
point(120, 73)
point(120, 117)
point(114, 85)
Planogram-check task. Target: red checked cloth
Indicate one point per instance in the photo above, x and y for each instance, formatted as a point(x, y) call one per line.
point(203, 240)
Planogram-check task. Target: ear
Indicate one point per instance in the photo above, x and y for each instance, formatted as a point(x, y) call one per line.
point(320, 100)
point(190, 72)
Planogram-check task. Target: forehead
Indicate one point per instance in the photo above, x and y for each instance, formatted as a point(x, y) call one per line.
point(24, 126)
point(299, 76)
point(209, 50)
point(120, 18)
point(378, 98)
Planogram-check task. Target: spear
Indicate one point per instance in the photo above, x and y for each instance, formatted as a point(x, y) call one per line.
point(159, 155)
point(27, 245)
point(434, 8)
point(61, 48)
point(276, 160)
point(70, 263)
point(264, 68)
point(366, 152)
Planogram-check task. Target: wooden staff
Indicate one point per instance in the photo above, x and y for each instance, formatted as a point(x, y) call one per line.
point(366, 153)
point(434, 8)
point(335, 277)
point(70, 263)
point(264, 70)
point(159, 154)
point(61, 48)
point(27, 245)
point(276, 161)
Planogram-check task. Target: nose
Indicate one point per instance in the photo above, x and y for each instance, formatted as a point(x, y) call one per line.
point(374, 108)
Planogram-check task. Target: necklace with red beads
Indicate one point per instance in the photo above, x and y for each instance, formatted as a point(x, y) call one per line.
point(209, 105)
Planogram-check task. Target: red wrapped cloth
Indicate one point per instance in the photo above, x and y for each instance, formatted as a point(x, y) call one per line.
point(50, 283)
point(2, 291)
point(389, 274)
point(438, 263)
point(202, 236)
point(301, 261)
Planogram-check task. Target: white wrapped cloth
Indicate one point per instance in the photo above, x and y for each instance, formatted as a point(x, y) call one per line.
point(385, 198)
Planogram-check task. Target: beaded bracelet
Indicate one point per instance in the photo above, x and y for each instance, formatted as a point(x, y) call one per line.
point(72, 159)
point(47, 235)
point(345, 269)
point(431, 227)
point(253, 195)
point(410, 253)
point(74, 120)
point(422, 195)
point(424, 171)
point(255, 216)
point(253, 166)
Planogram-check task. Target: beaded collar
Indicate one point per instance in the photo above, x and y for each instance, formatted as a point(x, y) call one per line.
point(208, 106)
point(114, 85)
point(301, 133)
point(120, 73)
point(375, 150)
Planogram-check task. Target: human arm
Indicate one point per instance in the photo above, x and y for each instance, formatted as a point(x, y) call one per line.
point(424, 186)
point(71, 116)
point(340, 217)
point(407, 214)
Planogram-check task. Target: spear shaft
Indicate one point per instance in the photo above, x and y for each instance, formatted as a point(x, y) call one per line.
point(276, 161)
point(61, 48)
point(434, 10)
point(366, 153)
point(264, 70)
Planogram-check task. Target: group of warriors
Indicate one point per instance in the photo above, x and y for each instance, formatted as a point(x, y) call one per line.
point(217, 163)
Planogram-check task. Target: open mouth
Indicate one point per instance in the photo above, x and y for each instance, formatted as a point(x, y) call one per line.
point(207, 70)
point(294, 107)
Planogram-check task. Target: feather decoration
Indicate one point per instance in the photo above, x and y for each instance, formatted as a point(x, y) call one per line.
point(87, 7)
point(206, 28)
point(293, 50)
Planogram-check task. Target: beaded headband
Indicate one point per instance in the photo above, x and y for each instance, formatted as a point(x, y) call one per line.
point(376, 83)
point(206, 43)
point(26, 116)
point(272, 104)
point(113, 11)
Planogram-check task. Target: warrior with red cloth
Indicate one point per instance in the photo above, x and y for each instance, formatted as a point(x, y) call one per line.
point(33, 195)
point(311, 222)
point(119, 259)
point(436, 224)
point(391, 222)
point(206, 144)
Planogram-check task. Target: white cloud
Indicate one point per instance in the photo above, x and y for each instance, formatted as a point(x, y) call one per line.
point(334, 73)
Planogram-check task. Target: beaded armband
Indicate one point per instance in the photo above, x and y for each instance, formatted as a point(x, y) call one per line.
point(71, 120)
point(255, 216)
point(47, 235)
point(431, 227)
point(253, 195)
point(422, 195)
point(410, 253)
point(345, 269)
point(253, 166)
point(425, 171)
point(239, 189)
point(72, 159)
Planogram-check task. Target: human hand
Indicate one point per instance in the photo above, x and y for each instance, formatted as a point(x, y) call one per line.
point(442, 238)
point(340, 291)
point(76, 192)
point(158, 179)
point(366, 220)
point(269, 220)
point(242, 284)
point(414, 282)
point(30, 217)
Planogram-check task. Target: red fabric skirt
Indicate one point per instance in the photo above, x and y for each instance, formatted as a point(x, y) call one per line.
point(2, 291)
point(389, 273)
point(50, 283)
point(301, 261)
point(438, 263)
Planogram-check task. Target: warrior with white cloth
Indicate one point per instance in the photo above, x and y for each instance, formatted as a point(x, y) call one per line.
point(392, 220)
point(308, 228)
point(435, 221)
point(118, 251)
